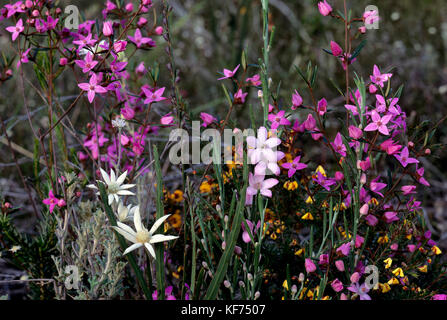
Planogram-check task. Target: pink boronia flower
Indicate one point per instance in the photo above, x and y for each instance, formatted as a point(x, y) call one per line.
point(92, 87)
point(16, 30)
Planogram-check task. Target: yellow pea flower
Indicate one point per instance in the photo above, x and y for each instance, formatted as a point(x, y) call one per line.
point(423, 269)
point(388, 263)
point(309, 200)
point(398, 272)
point(307, 216)
point(393, 281)
point(436, 250)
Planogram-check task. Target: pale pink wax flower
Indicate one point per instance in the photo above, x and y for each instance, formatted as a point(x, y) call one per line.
point(336, 49)
point(88, 63)
point(264, 164)
point(309, 265)
point(378, 123)
point(294, 166)
point(257, 183)
point(207, 119)
point(228, 73)
point(139, 40)
point(239, 97)
point(337, 285)
point(261, 147)
point(362, 291)
point(325, 8)
point(92, 87)
point(420, 176)
point(344, 249)
point(278, 119)
point(411, 247)
point(322, 106)
point(340, 265)
point(338, 145)
point(167, 119)
point(409, 189)
point(153, 96)
point(364, 165)
point(379, 78)
point(297, 100)
point(404, 158)
point(16, 30)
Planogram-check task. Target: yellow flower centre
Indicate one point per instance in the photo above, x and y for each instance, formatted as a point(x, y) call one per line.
point(142, 236)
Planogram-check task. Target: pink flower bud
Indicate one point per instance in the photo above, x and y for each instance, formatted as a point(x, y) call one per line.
point(159, 30)
point(63, 61)
point(146, 2)
point(309, 265)
point(363, 178)
point(119, 46)
point(410, 144)
point(129, 7)
point(324, 8)
point(394, 246)
point(310, 123)
point(340, 265)
point(35, 13)
point(28, 4)
point(427, 151)
point(61, 203)
point(336, 49)
point(141, 22)
point(372, 89)
point(107, 28)
point(362, 29)
point(322, 106)
point(355, 277)
point(364, 210)
point(339, 176)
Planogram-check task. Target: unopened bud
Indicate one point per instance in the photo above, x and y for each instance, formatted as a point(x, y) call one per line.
point(294, 289)
point(427, 151)
point(301, 277)
point(257, 295)
point(205, 265)
point(227, 284)
point(241, 284)
point(250, 277)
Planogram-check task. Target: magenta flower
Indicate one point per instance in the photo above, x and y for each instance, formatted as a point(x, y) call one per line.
point(139, 40)
point(84, 41)
point(390, 216)
point(297, 100)
point(153, 96)
point(107, 28)
point(239, 97)
point(338, 145)
point(324, 8)
point(14, 8)
point(255, 80)
point(371, 220)
point(420, 176)
point(439, 297)
point(379, 123)
point(322, 106)
point(323, 181)
point(207, 119)
point(278, 119)
point(88, 63)
point(92, 87)
point(379, 78)
point(377, 186)
point(168, 294)
point(344, 249)
point(390, 147)
point(355, 132)
point(409, 189)
point(228, 73)
point(257, 183)
point(362, 291)
point(309, 265)
point(245, 235)
point(52, 201)
point(340, 265)
point(167, 119)
point(23, 58)
point(16, 30)
point(404, 158)
point(294, 166)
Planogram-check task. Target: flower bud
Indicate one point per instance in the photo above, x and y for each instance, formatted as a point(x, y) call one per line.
point(159, 30)
point(107, 28)
point(227, 284)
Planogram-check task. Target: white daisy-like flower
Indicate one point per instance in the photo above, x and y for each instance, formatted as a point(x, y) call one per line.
point(124, 213)
point(115, 186)
point(142, 237)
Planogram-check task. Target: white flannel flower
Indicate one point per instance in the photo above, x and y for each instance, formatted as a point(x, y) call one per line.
point(142, 237)
point(124, 213)
point(115, 186)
